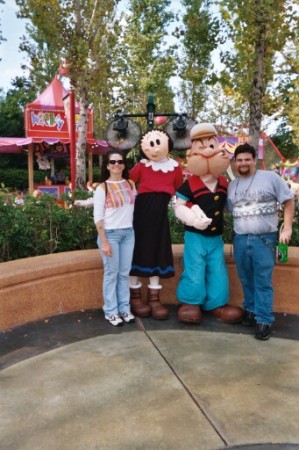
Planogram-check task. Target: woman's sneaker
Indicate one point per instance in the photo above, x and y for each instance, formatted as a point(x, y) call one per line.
point(114, 319)
point(127, 317)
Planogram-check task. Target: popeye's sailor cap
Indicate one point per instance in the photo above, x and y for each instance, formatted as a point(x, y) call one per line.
point(202, 130)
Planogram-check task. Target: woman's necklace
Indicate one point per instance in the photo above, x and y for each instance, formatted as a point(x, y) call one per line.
point(251, 181)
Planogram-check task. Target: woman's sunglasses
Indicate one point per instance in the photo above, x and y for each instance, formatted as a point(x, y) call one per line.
point(116, 161)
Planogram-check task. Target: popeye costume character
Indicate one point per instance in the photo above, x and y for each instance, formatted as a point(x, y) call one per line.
point(157, 177)
point(203, 285)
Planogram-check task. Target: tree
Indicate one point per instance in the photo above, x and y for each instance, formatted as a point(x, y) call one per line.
point(225, 111)
point(12, 107)
point(259, 29)
point(199, 36)
point(74, 30)
point(12, 119)
point(145, 60)
point(288, 93)
point(284, 139)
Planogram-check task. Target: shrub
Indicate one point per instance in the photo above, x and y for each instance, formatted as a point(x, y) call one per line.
point(17, 179)
point(42, 226)
point(176, 228)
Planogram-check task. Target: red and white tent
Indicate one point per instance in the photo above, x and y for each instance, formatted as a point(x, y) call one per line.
point(46, 125)
point(45, 117)
point(45, 121)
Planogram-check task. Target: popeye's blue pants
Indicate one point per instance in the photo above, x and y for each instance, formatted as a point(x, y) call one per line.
point(204, 280)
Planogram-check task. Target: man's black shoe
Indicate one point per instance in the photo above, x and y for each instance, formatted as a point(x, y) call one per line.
point(248, 319)
point(262, 331)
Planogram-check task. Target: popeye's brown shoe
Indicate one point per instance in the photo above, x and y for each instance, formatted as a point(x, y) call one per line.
point(189, 314)
point(228, 313)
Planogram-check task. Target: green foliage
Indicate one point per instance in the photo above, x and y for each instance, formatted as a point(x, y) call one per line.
point(13, 161)
point(18, 178)
point(44, 219)
point(228, 229)
point(176, 228)
point(14, 239)
point(251, 71)
point(295, 236)
point(144, 60)
point(284, 140)
point(12, 105)
point(11, 118)
point(199, 37)
point(42, 226)
point(225, 111)
point(80, 33)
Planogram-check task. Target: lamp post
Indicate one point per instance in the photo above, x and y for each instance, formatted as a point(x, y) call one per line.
point(150, 108)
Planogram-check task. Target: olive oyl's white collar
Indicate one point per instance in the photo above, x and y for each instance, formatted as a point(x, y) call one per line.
point(165, 165)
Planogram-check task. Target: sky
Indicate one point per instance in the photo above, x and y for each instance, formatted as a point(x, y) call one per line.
point(11, 58)
point(12, 29)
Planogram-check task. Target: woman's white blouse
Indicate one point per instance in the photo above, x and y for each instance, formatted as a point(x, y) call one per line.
point(116, 207)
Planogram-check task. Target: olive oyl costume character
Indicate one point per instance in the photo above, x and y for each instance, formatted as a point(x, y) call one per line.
point(200, 203)
point(157, 179)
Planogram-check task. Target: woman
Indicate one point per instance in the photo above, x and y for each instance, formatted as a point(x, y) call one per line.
point(113, 216)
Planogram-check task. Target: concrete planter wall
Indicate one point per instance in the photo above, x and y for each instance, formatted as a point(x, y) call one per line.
point(35, 288)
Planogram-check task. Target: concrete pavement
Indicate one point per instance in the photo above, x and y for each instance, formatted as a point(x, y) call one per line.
point(74, 382)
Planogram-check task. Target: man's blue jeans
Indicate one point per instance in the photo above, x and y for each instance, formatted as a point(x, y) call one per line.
point(116, 291)
point(255, 260)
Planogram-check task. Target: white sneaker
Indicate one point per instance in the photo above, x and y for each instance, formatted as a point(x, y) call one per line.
point(114, 319)
point(127, 317)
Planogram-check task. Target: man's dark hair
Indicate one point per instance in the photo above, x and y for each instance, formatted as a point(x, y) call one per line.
point(245, 148)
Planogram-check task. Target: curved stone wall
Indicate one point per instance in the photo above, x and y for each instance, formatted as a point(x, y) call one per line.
point(36, 288)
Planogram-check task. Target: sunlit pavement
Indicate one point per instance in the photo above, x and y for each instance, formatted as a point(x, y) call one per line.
point(75, 382)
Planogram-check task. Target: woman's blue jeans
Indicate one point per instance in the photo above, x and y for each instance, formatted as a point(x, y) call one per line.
point(116, 291)
point(255, 260)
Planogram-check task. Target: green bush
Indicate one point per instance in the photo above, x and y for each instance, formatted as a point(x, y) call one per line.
point(17, 179)
point(177, 228)
point(41, 227)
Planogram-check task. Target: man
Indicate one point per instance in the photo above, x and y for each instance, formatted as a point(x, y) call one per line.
point(252, 198)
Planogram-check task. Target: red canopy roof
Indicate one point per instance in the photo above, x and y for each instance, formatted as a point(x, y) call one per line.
point(16, 145)
point(45, 122)
point(45, 117)
point(51, 97)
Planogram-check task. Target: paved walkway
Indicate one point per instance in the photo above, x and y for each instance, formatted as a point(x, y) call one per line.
point(74, 382)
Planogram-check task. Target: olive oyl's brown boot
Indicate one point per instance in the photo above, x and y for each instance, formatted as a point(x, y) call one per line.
point(138, 308)
point(153, 298)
